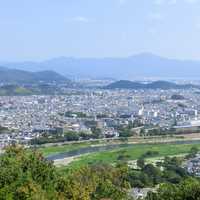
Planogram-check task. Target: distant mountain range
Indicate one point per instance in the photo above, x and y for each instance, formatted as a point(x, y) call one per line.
point(15, 76)
point(164, 85)
point(137, 66)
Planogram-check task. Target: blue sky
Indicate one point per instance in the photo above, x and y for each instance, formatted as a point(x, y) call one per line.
point(42, 29)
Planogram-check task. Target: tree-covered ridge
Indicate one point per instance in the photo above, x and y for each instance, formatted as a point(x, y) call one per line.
point(15, 76)
point(164, 85)
point(33, 89)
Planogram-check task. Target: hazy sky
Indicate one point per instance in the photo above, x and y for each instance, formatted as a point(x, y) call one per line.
point(42, 29)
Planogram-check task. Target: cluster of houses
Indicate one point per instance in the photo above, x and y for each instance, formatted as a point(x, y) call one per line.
point(27, 116)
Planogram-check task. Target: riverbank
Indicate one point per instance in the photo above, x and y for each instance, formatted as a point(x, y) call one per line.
point(56, 148)
point(83, 153)
point(111, 157)
point(130, 153)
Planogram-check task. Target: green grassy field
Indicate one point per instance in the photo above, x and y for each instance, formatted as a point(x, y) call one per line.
point(133, 153)
point(51, 150)
point(69, 147)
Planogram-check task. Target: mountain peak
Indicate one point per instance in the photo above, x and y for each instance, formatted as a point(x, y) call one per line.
point(136, 66)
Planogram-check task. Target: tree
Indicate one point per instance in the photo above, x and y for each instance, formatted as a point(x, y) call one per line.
point(96, 133)
point(186, 190)
point(25, 175)
point(193, 152)
point(171, 176)
point(71, 136)
point(153, 172)
point(141, 163)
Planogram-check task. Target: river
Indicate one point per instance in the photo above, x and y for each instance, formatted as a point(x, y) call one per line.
point(95, 149)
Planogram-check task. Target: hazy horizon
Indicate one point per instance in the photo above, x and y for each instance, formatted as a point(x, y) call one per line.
point(97, 57)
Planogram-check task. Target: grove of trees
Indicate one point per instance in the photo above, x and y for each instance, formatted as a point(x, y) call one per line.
point(26, 175)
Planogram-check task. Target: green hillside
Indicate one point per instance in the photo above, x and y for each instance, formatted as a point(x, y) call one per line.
point(14, 76)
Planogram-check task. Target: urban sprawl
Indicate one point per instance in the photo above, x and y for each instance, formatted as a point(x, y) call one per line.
point(97, 113)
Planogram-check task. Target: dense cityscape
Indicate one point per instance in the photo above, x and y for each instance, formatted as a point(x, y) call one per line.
point(24, 118)
point(119, 139)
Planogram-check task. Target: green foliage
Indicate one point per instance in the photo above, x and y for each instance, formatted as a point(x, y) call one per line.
point(127, 131)
point(154, 173)
point(137, 179)
point(22, 91)
point(71, 136)
point(193, 152)
point(140, 163)
point(151, 175)
point(134, 152)
point(95, 182)
point(96, 133)
point(150, 154)
point(15, 76)
point(187, 190)
point(26, 175)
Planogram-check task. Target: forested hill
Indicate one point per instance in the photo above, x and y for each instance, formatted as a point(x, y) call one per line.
point(14, 76)
point(124, 84)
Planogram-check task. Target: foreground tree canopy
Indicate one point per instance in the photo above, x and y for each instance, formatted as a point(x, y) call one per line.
point(27, 175)
point(189, 189)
